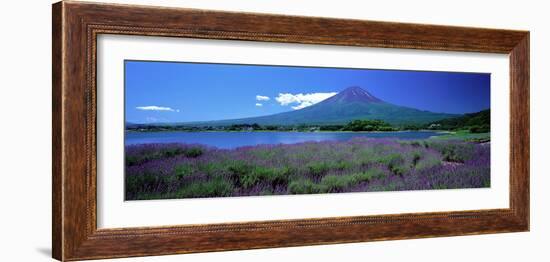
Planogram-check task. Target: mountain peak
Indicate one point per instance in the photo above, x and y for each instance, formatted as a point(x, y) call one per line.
point(353, 88)
point(355, 94)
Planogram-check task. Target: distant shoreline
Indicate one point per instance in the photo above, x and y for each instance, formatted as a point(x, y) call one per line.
point(291, 131)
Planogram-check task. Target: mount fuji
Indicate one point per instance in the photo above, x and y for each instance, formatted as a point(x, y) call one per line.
point(350, 104)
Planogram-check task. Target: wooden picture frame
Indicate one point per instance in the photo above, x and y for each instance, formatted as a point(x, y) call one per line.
point(76, 26)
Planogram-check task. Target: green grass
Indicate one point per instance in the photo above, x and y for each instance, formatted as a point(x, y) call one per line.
point(333, 183)
point(464, 135)
point(215, 187)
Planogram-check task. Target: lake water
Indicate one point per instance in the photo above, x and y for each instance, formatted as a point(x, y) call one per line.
point(238, 139)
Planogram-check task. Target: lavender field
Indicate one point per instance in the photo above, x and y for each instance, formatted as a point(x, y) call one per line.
point(168, 171)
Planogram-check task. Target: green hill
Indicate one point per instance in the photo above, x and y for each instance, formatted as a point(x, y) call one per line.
point(479, 122)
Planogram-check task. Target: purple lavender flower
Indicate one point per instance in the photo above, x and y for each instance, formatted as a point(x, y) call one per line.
point(359, 165)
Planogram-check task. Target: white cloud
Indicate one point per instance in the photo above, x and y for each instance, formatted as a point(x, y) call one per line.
point(259, 104)
point(262, 98)
point(157, 108)
point(300, 101)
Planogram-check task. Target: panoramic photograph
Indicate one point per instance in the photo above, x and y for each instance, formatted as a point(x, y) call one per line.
point(201, 130)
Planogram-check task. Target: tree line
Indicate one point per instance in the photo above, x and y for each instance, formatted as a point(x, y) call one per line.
point(479, 122)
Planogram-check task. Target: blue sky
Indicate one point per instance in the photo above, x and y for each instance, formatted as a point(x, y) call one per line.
point(184, 92)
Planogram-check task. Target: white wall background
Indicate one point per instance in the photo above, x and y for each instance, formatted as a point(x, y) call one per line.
point(25, 136)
